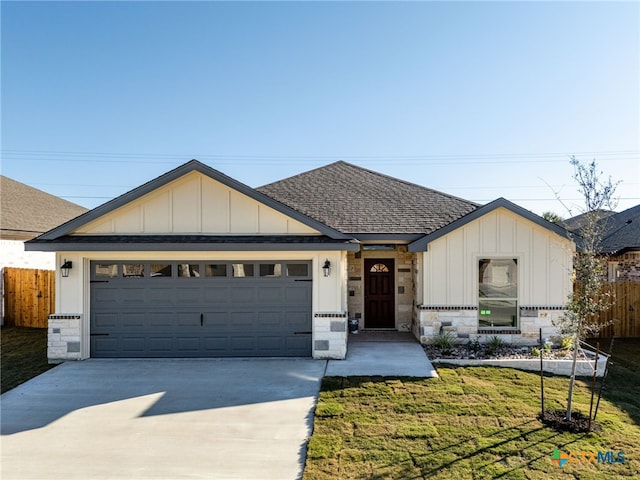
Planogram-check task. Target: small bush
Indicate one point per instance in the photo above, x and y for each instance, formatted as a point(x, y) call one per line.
point(494, 344)
point(566, 343)
point(444, 341)
point(535, 351)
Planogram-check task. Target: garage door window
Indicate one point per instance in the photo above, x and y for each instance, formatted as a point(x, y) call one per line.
point(190, 270)
point(270, 269)
point(160, 270)
point(106, 270)
point(242, 269)
point(133, 270)
point(216, 270)
point(297, 270)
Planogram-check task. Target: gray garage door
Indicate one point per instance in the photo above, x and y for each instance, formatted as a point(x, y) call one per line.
point(200, 309)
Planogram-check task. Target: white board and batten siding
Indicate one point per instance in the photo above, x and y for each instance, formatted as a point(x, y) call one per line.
point(450, 265)
point(195, 204)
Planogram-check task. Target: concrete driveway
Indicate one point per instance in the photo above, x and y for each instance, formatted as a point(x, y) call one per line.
point(161, 419)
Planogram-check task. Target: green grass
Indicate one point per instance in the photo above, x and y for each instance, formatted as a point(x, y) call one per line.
point(23, 355)
point(471, 423)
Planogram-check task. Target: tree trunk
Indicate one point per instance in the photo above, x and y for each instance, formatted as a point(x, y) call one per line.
point(572, 378)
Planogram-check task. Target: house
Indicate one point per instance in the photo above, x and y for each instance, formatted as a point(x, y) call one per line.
point(195, 264)
point(621, 243)
point(26, 212)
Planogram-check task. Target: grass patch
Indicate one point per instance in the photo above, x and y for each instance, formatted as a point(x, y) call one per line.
point(23, 355)
point(472, 422)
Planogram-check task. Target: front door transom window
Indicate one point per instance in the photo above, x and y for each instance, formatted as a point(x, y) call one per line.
point(379, 268)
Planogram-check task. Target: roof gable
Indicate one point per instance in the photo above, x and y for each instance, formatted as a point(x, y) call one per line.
point(423, 243)
point(358, 201)
point(195, 199)
point(26, 211)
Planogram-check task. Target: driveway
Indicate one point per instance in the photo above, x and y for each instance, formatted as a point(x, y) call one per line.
point(161, 419)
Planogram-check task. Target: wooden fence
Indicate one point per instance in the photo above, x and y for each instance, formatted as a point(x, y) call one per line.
point(29, 297)
point(625, 314)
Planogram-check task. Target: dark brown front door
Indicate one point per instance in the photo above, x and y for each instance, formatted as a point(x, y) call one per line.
point(379, 298)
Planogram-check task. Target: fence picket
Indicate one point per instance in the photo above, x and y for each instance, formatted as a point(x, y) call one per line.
point(29, 297)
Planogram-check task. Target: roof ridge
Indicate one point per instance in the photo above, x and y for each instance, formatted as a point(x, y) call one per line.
point(300, 174)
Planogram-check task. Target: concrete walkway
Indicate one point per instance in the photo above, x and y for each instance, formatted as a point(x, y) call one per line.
point(161, 419)
point(390, 359)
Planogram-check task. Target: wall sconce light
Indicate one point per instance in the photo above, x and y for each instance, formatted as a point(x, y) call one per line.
point(65, 267)
point(326, 268)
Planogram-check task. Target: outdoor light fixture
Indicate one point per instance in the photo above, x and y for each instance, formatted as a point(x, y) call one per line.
point(326, 268)
point(65, 267)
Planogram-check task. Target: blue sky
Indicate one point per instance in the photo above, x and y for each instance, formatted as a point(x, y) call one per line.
point(480, 100)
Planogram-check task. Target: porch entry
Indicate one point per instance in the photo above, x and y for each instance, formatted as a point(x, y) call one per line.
point(379, 293)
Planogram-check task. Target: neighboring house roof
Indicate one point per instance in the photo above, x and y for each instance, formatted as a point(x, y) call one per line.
point(26, 212)
point(622, 232)
point(362, 202)
point(423, 243)
point(574, 224)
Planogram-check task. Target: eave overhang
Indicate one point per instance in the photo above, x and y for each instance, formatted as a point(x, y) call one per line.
point(224, 243)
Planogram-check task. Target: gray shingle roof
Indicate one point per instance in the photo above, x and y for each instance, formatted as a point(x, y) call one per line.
point(355, 200)
point(26, 211)
point(622, 231)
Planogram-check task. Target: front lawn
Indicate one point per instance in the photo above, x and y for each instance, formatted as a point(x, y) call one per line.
point(23, 355)
point(473, 422)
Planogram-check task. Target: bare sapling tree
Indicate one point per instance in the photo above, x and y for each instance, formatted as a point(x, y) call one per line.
point(590, 295)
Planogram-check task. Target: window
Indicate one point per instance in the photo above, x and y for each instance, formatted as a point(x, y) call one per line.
point(188, 270)
point(498, 292)
point(242, 269)
point(216, 270)
point(297, 270)
point(109, 270)
point(379, 268)
point(133, 270)
point(160, 270)
point(270, 269)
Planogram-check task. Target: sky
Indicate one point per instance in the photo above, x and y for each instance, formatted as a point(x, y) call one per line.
point(479, 100)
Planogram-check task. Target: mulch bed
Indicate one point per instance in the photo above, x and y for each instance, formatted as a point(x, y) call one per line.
point(579, 422)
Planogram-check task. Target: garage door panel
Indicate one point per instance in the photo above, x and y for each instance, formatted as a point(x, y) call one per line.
point(160, 344)
point(298, 295)
point(133, 320)
point(188, 344)
point(216, 293)
point(200, 316)
point(160, 319)
point(132, 343)
point(216, 320)
point(271, 294)
point(132, 296)
point(188, 295)
point(103, 296)
point(105, 320)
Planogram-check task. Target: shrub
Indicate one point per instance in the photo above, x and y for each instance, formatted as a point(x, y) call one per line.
point(566, 343)
point(535, 351)
point(444, 341)
point(494, 344)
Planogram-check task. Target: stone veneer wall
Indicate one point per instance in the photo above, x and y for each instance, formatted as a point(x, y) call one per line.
point(462, 321)
point(64, 337)
point(404, 284)
point(330, 335)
